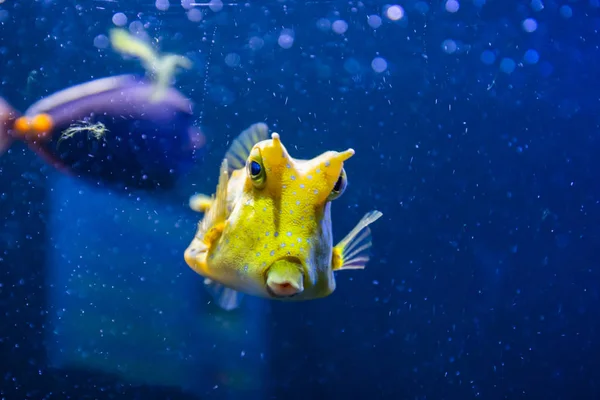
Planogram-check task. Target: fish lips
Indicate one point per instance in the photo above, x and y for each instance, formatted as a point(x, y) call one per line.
point(284, 279)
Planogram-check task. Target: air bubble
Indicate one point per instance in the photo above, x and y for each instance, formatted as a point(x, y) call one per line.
point(256, 43)
point(286, 39)
point(395, 13)
point(449, 46)
point(452, 6)
point(507, 65)
point(374, 21)
point(566, 11)
point(531, 56)
point(101, 42)
point(162, 5)
point(194, 15)
point(340, 26)
point(379, 64)
point(232, 59)
point(119, 19)
point(215, 5)
point(530, 25)
point(488, 57)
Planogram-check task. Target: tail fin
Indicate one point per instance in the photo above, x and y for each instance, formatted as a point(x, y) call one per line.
point(7, 115)
point(162, 68)
point(165, 68)
point(127, 44)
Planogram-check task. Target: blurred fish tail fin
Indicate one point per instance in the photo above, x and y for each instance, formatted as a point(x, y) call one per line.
point(127, 44)
point(161, 68)
point(7, 117)
point(352, 252)
point(164, 70)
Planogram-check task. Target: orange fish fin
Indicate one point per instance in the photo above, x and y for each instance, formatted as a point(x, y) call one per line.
point(240, 148)
point(228, 299)
point(352, 252)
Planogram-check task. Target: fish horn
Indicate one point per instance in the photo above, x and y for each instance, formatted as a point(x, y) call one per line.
point(331, 163)
point(275, 151)
point(344, 155)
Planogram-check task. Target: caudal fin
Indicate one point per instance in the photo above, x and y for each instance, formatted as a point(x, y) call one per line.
point(161, 67)
point(7, 115)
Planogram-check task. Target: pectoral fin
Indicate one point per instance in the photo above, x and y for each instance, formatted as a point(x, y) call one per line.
point(201, 202)
point(228, 299)
point(352, 252)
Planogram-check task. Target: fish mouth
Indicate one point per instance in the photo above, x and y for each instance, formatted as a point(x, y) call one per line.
point(284, 278)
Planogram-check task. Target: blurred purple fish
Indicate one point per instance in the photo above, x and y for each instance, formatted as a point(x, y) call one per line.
point(110, 132)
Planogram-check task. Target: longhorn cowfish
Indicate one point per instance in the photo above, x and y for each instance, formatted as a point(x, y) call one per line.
point(267, 231)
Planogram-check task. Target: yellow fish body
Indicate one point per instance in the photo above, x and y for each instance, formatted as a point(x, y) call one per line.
point(267, 230)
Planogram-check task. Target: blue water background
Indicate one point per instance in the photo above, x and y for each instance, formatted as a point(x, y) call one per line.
point(484, 278)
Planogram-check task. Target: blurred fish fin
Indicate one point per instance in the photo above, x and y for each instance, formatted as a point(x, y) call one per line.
point(240, 148)
point(228, 299)
point(197, 138)
point(201, 202)
point(164, 69)
point(7, 115)
point(352, 252)
point(213, 223)
point(127, 44)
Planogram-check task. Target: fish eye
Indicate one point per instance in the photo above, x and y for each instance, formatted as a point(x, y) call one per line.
point(339, 187)
point(256, 171)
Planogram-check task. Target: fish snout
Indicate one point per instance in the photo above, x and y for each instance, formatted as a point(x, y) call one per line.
point(284, 279)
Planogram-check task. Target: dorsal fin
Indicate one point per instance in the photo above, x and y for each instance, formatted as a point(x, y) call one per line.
point(240, 148)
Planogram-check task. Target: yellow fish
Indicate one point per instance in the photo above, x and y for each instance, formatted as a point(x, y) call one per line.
point(267, 230)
